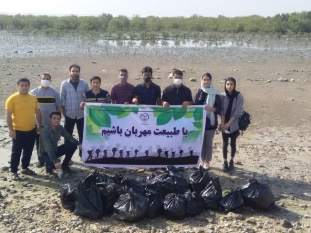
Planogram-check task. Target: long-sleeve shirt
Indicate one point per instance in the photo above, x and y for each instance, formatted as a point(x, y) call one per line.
point(71, 98)
point(236, 111)
point(49, 140)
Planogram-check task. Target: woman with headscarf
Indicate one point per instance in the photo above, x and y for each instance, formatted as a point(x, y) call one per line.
point(231, 111)
point(209, 96)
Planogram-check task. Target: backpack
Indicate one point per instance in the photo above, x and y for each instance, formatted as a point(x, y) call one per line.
point(244, 121)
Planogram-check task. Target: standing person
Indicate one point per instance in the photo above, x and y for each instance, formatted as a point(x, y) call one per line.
point(209, 96)
point(123, 92)
point(231, 111)
point(96, 94)
point(71, 95)
point(21, 109)
point(177, 93)
point(49, 101)
point(147, 93)
point(49, 150)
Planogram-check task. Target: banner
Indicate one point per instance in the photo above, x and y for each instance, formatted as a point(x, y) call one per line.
point(142, 136)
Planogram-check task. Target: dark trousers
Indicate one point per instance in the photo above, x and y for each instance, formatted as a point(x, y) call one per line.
point(24, 142)
point(225, 141)
point(67, 149)
point(37, 143)
point(70, 124)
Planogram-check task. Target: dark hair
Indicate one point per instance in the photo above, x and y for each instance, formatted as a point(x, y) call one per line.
point(207, 74)
point(94, 78)
point(23, 80)
point(146, 69)
point(230, 79)
point(179, 72)
point(74, 65)
point(46, 74)
point(55, 113)
point(123, 70)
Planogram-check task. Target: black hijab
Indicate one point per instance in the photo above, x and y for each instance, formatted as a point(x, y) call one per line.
point(231, 98)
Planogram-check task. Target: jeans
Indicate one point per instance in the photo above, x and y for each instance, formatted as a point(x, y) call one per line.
point(67, 149)
point(24, 141)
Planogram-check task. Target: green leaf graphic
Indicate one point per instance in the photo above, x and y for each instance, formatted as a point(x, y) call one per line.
point(99, 117)
point(192, 136)
point(113, 110)
point(164, 118)
point(157, 111)
point(197, 125)
point(124, 114)
point(197, 114)
point(179, 113)
point(189, 115)
point(94, 137)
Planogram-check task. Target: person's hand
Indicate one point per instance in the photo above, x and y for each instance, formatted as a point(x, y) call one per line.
point(39, 129)
point(12, 134)
point(185, 104)
point(226, 126)
point(58, 165)
point(135, 101)
point(126, 103)
point(210, 108)
point(82, 105)
point(166, 104)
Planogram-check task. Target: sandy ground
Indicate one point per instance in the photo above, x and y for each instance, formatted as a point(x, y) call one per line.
point(275, 149)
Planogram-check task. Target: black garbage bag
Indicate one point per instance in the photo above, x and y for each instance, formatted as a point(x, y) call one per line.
point(212, 194)
point(155, 205)
point(198, 180)
point(89, 202)
point(130, 183)
point(131, 207)
point(174, 206)
point(232, 201)
point(194, 203)
point(67, 197)
point(110, 193)
point(257, 195)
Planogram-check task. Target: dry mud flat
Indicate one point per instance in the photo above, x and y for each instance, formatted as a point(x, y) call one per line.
point(275, 149)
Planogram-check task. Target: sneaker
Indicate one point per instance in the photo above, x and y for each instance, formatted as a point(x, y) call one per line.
point(60, 173)
point(231, 165)
point(225, 166)
point(68, 170)
point(206, 165)
point(15, 177)
point(39, 163)
point(49, 171)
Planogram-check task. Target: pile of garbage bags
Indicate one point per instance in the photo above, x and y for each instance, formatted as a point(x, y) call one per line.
point(170, 193)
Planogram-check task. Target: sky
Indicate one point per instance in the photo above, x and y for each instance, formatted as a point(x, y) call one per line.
point(160, 8)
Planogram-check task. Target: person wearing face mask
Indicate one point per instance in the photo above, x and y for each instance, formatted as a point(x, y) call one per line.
point(147, 93)
point(209, 96)
point(177, 93)
point(49, 101)
point(123, 92)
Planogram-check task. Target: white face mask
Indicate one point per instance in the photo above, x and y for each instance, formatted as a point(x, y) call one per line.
point(45, 83)
point(177, 82)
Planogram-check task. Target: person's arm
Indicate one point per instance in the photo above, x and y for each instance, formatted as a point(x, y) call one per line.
point(113, 96)
point(63, 98)
point(158, 100)
point(38, 119)
point(57, 102)
point(68, 137)
point(9, 122)
point(46, 142)
point(108, 98)
point(189, 100)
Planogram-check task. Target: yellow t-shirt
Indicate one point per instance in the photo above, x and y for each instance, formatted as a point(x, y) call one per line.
point(24, 108)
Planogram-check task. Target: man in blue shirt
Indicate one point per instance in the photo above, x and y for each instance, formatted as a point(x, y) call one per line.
point(147, 93)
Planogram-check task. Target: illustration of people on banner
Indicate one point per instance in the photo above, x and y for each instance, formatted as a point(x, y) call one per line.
point(142, 136)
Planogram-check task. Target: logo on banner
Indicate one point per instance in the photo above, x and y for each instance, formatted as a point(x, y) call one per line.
point(144, 117)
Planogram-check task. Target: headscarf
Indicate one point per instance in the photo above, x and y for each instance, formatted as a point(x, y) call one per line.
point(211, 92)
point(231, 98)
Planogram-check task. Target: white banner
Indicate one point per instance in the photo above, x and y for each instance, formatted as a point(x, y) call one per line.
point(142, 136)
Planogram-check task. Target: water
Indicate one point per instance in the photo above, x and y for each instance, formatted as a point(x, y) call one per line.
point(257, 48)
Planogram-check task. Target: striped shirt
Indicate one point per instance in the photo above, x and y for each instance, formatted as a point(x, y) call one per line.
point(48, 100)
point(101, 97)
point(122, 93)
point(71, 98)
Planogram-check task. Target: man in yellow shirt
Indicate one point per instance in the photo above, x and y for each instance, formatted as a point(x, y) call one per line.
point(22, 110)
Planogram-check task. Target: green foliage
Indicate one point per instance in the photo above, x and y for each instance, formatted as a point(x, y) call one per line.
point(152, 28)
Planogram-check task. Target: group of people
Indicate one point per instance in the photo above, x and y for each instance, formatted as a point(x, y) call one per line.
point(35, 116)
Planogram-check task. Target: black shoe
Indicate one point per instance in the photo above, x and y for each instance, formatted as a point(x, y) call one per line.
point(231, 165)
point(225, 166)
point(68, 170)
point(49, 171)
point(39, 163)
